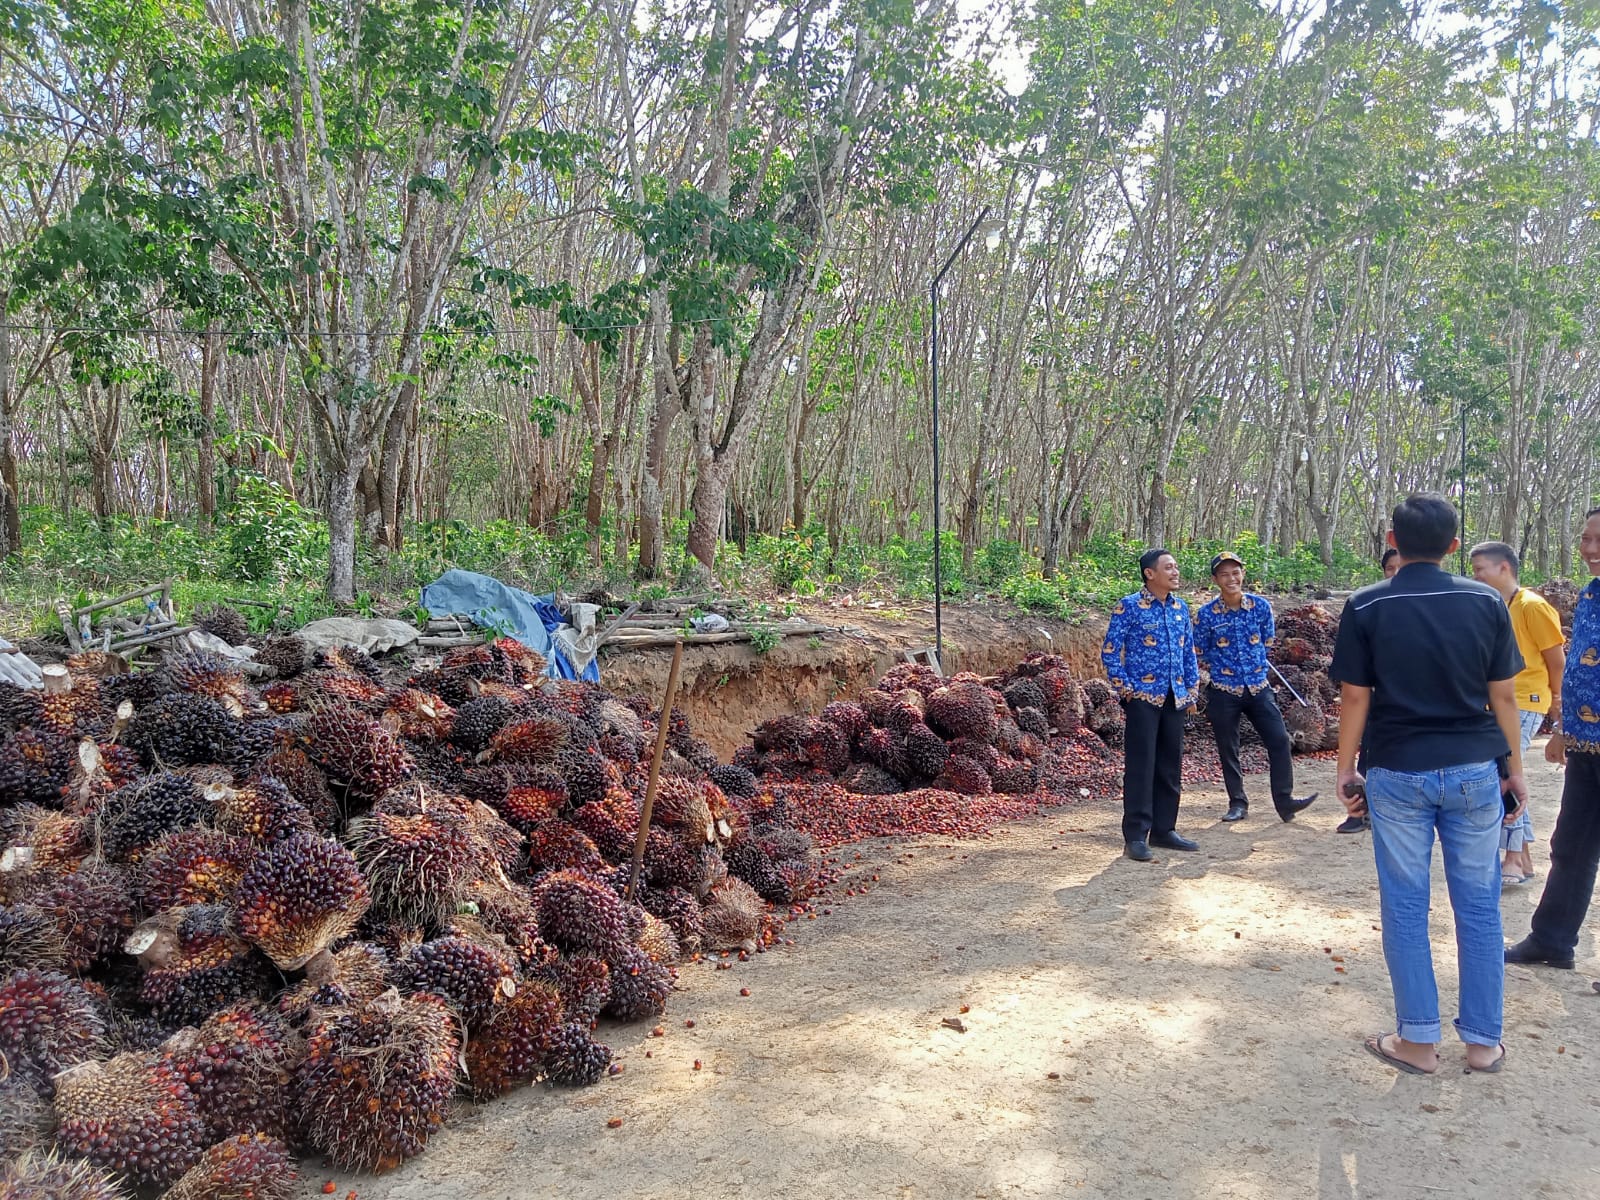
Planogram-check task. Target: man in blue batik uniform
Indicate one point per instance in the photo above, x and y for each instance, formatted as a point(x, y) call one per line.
point(1231, 637)
point(1575, 842)
point(1149, 658)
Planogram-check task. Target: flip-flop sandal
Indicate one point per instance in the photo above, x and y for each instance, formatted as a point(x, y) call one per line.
point(1375, 1048)
point(1514, 880)
point(1493, 1068)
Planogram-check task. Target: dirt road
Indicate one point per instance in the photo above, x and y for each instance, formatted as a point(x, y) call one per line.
point(1189, 1029)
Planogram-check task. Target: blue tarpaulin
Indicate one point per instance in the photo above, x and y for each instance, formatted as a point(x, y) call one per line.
point(499, 606)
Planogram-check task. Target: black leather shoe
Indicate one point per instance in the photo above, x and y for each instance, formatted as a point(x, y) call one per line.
point(1236, 812)
point(1530, 953)
point(1173, 841)
point(1354, 825)
point(1296, 806)
point(1138, 851)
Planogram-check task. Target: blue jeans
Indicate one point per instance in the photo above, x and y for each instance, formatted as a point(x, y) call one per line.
point(1463, 803)
point(1517, 837)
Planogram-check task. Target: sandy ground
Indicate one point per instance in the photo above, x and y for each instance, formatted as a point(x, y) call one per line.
point(1188, 1029)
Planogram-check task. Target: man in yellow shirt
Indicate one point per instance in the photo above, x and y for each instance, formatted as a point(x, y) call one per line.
point(1537, 627)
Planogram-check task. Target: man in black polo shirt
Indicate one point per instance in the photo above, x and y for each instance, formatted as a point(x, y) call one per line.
point(1427, 663)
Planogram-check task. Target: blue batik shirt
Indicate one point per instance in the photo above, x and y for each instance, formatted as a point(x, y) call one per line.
point(1580, 682)
point(1232, 643)
point(1149, 649)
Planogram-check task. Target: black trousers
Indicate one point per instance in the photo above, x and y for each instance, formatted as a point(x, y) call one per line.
point(1574, 855)
point(1223, 710)
point(1152, 768)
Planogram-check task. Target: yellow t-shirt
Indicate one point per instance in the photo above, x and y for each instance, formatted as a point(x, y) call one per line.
point(1537, 627)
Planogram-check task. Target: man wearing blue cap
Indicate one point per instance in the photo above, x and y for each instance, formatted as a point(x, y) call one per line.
point(1232, 635)
point(1149, 659)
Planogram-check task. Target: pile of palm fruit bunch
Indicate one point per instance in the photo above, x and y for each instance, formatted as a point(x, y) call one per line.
point(1563, 597)
point(240, 925)
point(1303, 653)
point(918, 753)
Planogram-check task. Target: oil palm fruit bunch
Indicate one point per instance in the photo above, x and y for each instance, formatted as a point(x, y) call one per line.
point(377, 1079)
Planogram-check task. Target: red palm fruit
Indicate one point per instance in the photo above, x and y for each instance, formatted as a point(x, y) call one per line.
point(79, 713)
point(556, 846)
point(202, 673)
point(47, 1175)
point(416, 866)
point(509, 1051)
point(238, 1065)
point(191, 866)
point(337, 687)
point(249, 1166)
point(348, 660)
point(48, 1022)
point(847, 717)
point(964, 776)
point(281, 697)
point(529, 740)
point(527, 807)
point(93, 908)
point(132, 1114)
point(377, 1079)
point(962, 710)
point(577, 912)
point(263, 810)
point(417, 715)
point(612, 825)
point(298, 896)
point(473, 662)
point(471, 974)
point(195, 964)
point(355, 974)
point(355, 752)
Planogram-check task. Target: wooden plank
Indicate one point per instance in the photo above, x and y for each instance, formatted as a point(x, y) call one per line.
point(151, 638)
point(614, 627)
point(69, 626)
point(117, 601)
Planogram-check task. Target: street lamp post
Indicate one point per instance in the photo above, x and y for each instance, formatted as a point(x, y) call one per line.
point(1463, 556)
point(991, 235)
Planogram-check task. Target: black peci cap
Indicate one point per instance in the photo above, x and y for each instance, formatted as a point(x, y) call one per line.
point(1227, 556)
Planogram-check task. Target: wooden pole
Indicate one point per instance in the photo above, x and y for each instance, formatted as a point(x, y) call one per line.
point(655, 771)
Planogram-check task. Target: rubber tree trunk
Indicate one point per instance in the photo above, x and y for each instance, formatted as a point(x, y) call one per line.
point(652, 533)
point(206, 464)
point(10, 496)
point(707, 504)
point(594, 507)
point(341, 504)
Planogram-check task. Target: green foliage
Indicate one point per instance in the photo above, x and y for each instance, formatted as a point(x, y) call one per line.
point(270, 537)
point(763, 638)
